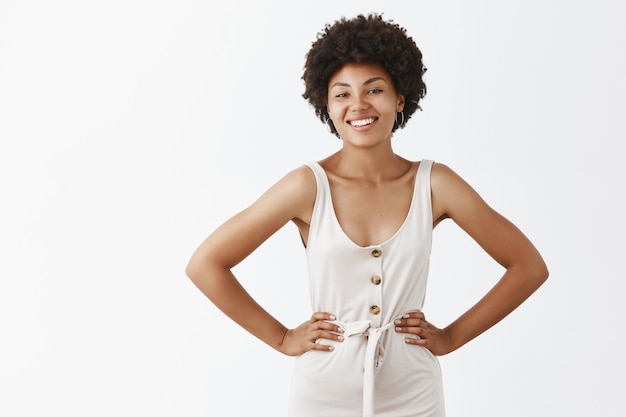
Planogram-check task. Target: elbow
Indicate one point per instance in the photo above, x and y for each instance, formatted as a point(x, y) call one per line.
point(190, 270)
point(539, 272)
point(195, 270)
point(205, 272)
point(533, 273)
point(542, 270)
point(545, 274)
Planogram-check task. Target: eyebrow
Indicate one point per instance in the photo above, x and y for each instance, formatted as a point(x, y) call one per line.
point(371, 80)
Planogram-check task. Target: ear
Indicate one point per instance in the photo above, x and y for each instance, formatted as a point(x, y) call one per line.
point(400, 103)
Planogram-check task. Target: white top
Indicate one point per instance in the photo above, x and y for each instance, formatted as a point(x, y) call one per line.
point(373, 371)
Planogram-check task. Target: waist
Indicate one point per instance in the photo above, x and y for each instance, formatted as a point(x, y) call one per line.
point(374, 353)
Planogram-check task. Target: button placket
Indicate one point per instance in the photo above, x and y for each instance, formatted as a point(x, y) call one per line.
point(375, 281)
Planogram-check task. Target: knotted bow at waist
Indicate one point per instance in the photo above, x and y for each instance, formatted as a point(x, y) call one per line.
point(374, 355)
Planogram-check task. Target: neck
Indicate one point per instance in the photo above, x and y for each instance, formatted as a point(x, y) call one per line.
point(373, 164)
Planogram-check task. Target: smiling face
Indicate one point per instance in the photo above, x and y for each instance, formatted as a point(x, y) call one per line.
point(362, 103)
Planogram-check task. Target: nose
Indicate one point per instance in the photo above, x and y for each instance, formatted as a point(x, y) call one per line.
point(359, 102)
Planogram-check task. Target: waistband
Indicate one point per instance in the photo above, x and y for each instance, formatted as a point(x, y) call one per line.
point(374, 354)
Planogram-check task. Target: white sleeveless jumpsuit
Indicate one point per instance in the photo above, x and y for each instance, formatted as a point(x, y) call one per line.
point(373, 372)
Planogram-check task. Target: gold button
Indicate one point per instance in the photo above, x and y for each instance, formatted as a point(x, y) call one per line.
point(374, 309)
point(376, 280)
point(376, 253)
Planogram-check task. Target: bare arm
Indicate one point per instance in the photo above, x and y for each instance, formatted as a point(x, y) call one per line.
point(210, 266)
point(504, 242)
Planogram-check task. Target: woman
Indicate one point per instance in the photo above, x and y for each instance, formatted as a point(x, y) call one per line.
point(365, 216)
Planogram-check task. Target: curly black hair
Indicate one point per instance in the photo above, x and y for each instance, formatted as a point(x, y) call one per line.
point(364, 40)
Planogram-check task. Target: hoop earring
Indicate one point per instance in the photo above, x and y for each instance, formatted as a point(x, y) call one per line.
point(400, 123)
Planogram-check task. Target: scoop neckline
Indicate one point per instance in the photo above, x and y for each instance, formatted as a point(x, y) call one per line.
point(340, 227)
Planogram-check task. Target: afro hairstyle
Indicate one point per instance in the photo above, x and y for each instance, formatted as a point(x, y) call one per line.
point(364, 39)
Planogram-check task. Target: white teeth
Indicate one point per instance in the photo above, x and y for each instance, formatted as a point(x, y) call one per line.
point(362, 122)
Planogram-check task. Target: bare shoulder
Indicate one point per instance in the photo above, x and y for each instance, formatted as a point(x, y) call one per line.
point(295, 193)
point(301, 179)
point(442, 175)
point(452, 196)
point(289, 198)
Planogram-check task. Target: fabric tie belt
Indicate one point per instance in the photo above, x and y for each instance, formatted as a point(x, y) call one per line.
point(374, 355)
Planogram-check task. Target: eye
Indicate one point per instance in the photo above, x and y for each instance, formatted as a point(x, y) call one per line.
point(375, 91)
point(342, 95)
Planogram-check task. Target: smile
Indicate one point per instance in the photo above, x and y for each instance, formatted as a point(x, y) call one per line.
point(362, 122)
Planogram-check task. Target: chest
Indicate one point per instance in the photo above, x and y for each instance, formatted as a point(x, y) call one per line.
point(371, 214)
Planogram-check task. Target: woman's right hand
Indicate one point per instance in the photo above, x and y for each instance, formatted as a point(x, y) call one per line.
point(304, 337)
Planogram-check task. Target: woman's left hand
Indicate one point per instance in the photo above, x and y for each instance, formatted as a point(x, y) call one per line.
point(429, 336)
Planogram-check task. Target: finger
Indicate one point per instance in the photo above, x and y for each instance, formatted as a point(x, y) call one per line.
point(320, 334)
point(415, 323)
point(415, 341)
point(324, 348)
point(322, 320)
point(414, 315)
point(414, 330)
point(411, 322)
point(320, 315)
point(325, 325)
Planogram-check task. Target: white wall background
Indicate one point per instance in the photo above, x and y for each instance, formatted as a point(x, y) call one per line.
point(131, 129)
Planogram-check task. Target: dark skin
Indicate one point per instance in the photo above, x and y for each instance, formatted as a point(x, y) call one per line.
point(367, 174)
